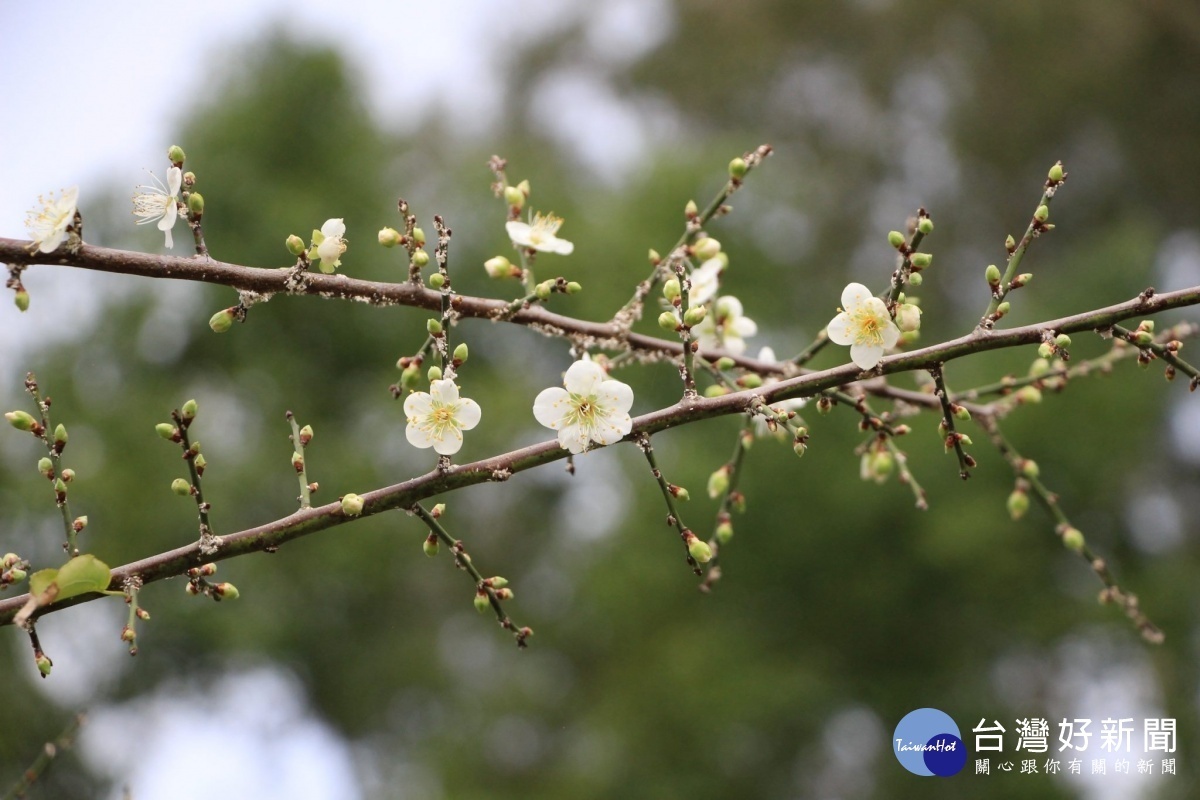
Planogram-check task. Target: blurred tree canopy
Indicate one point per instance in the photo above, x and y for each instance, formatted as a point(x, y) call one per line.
point(842, 607)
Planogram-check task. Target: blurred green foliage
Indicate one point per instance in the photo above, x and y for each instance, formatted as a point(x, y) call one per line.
point(842, 607)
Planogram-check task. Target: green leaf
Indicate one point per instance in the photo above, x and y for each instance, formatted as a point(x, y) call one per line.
point(40, 581)
point(82, 574)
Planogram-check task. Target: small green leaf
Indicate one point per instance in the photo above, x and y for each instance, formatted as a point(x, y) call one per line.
point(82, 574)
point(40, 581)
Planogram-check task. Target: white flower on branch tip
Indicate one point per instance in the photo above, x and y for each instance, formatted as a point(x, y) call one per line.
point(865, 325)
point(328, 244)
point(705, 279)
point(438, 417)
point(47, 226)
point(160, 203)
point(540, 234)
point(726, 328)
point(591, 408)
point(761, 427)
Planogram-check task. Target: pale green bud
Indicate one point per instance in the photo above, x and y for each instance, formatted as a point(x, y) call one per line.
point(1018, 504)
point(737, 168)
point(390, 237)
point(750, 380)
point(695, 315)
point(420, 258)
point(1056, 172)
point(514, 196)
point(60, 435)
point(1029, 468)
point(1010, 244)
point(430, 545)
point(1062, 340)
point(724, 532)
point(461, 353)
point(992, 274)
point(195, 204)
point(718, 483)
point(925, 226)
point(434, 373)
point(706, 248)
point(201, 462)
point(181, 487)
point(672, 289)
point(188, 412)
point(725, 363)
point(352, 505)
point(1073, 539)
point(68, 475)
point(1039, 367)
point(716, 390)
point(295, 245)
point(1045, 350)
point(915, 279)
point(221, 321)
point(1029, 394)
point(175, 154)
point(60, 486)
point(896, 239)
point(418, 236)
point(655, 258)
point(668, 321)
point(908, 317)
point(166, 430)
point(1003, 309)
point(1042, 214)
point(46, 467)
point(524, 188)
point(482, 602)
point(698, 548)
point(226, 591)
point(21, 298)
point(498, 267)
point(961, 413)
point(691, 210)
point(297, 461)
point(920, 261)
point(574, 287)
point(437, 280)
point(434, 326)
point(21, 420)
point(543, 290)
point(43, 664)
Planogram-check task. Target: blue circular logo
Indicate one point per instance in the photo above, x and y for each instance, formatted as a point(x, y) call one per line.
point(927, 742)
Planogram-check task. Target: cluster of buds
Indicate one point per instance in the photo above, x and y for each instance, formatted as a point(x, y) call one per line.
point(1055, 346)
point(198, 584)
point(13, 569)
point(488, 588)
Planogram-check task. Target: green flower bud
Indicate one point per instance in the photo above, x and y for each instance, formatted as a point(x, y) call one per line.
point(201, 462)
point(410, 377)
point(695, 315)
point(1042, 214)
point(1045, 350)
point(706, 248)
point(543, 290)
point(497, 582)
point(896, 239)
point(389, 237)
point(925, 226)
point(430, 545)
point(189, 410)
point(682, 493)
point(418, 236)
point(60, 486)
point(8, 560)
point(189, 179)
point(166, 430)
point(482, 602)
point(21, 298)
point(297, 461)
point(80, 523)
point(915, 279)
point(655, 258)
point(1056, 173)
point(17, 575)
point(175, 154)
point(751, 380)
point(352, 505)
point(715, 390)
point(461, 353)
point(434, 373)
point(718, 483)
point(725, 363)
point(1146, 325)
point(1010, 244)
point(437, 510)
point(68, 475)
point(1039, 367)
point(195, 204)
point(698, 548)
point(128, 634)
point(737, 168)
point(434, 326)
point(21, 420)
point(1062, 340)
point(724, 532)
point(882, 465)
point(221, 321)
point(1073, 539)
point(226, 591)
point(908, 317)
point(799, 448)
point(920, 261)
point(574, 287)
point(691, 210)
point(504, 594)
point(992, 275)
point(181, 487)
point(961, 413)
point(60, 435)
point(43, 664)
point(1029, 468)
point(525, 188)
point(46, 467)
point(1022, 279)
point(1029, 394)
point(420, 258)
point(514, 196)
point(672, 289)
point(437, 280)
point(1143, 338)
point(295, 245)
point(498, 267)
point(668, 321)
point(1018, 504)
point(1003, 309)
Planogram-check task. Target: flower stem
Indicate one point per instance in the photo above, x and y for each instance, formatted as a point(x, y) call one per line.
point(953, 438)
point(305, 492)
point(673, 518)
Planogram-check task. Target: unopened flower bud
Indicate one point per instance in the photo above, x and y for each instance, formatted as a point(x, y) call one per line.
point(226, 591)
point(430, 545)
point(724, 532)
point(437, 280)
point(655, 258)
point(1062, 340)
point(21, 420)
point(420, 258)
point(143, 614)
point(175, 154)
point(1146, 325)
point(1022, 279)
point(992, 275)
point(543, 290)
point(195, 204)
point(21, 298)
point(718, 483)
point(60, 486)
point(434, 373)
point(824, 405)
point(920, 261)
point(298, 461)
point(498, 267)
point(706, 248)
point(181, 487)
point(504, 594)
point(698, 548)
point(1003, 309)
point(915, 279)
point(434, 326)
point(352, 505)
point(668, 321)
point(189, 179)
point(1073, 539)
point(1143, 338)
point(43, 664)
point(17, 575)
point(1029, 394)
point(1042, 214)
point(221, 321)
point(737, 168)
point(695, 315)
point(128, 634)
point(574, 287)
point(201, 462)
point(925, 226)
point(438, 510)
point(524, 188)
point(896, 239)
point(671, 289)
point(295, 245)
point(1056, 172)
point(410, 376)
point(799, 448)
point(68, 475)
point(514, 196)
point(482, 602)
point(306, 434)
point(691, 210)
point(960, 412)
point(166, 430)
point(460, 353)
point(1029, 468)
point(418, 236)
point(908, 317)
point(390, 237)
point(1045, 350)
point(1039, 367)
point(46, 467)
point(1018, 504)
point(80, 523)
point(751, 380)
point(680, 492)
point(188, 412)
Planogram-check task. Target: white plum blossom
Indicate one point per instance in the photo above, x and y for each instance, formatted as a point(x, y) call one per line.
point(47, 226)
point(540, 234)
point(160, 203)
point(761, 428)
point(592, 408)
point(705, 279)
point(865, 325)
point(725, 328)
point(329, 244)
point(438, 417)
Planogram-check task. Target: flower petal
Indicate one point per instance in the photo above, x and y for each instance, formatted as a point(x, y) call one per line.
point(418, 404)
point(866, 356)
point(729, 306)
point(583, 378)
point(574, 438)
point(170, 214)
point(838, 330)
point(444, 392)
point(891, 334)
point(612, 428)
point(556, 245)
point(174, 181)
point(519, 232)
point(550, 407)
point(854, 295)
point(767, 355)
point(468, 414)
point(450, 442)
point(744, 327)
point(734, 344)
point(418, 436)
point(615, 396)
point(334, 227)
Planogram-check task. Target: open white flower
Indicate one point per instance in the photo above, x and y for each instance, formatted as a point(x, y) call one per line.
point(865, 325)
point(160, 203)
point(761, 428)
point(438, 417)
point(725, 328)
point(330, 245)
point(540, 234)
point(47, 225)
point(705, 279)
point(592, 408)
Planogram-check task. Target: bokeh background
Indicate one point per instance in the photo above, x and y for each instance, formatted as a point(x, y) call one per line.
point(353, 666)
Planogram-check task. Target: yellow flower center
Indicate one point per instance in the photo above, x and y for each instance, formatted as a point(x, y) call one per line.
point(543, 228)
point(868, 328)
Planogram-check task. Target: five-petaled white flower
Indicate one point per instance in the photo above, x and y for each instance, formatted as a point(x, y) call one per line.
point(330, 245)
point(160, 203)
point(47, 225)
point(865, 325)
point(540, 234)
point(761, 426)
point(725, 328)
point(705, 279)
point(438, 417)
point(592, 408)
